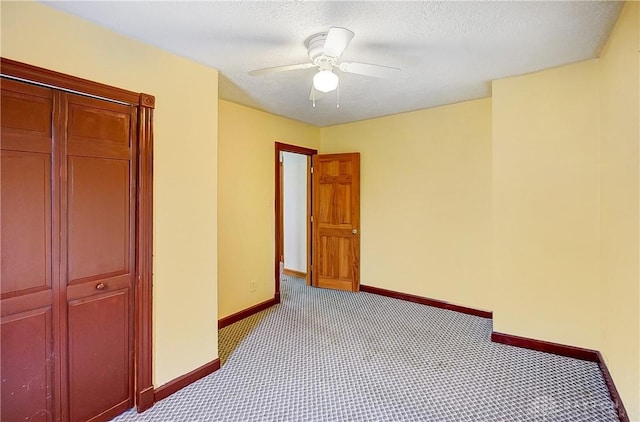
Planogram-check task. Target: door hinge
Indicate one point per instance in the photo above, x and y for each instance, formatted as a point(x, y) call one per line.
point(312, 219)
point(281, 157)
point(311, 170)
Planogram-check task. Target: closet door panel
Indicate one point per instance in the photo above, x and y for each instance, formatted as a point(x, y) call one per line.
point(99, 230)
point(98, 129)
point(27, 276)
point(26, 222)
point(27, 366)
point(99, 354)
point(98, 218)
point(67, 232)
point(26, 115)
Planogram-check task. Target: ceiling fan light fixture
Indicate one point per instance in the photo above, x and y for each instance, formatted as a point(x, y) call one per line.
point(325, 81)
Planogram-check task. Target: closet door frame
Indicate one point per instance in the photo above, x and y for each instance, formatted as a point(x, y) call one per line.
point(145, 103)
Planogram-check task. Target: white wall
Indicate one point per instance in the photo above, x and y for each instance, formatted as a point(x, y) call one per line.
point(295, 212)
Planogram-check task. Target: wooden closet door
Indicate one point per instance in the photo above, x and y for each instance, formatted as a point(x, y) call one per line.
point(98, 255)
point(28, 274)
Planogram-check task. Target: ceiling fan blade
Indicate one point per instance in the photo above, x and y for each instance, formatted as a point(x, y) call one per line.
point(268, 70)
point(337, 40)
point(374, 70)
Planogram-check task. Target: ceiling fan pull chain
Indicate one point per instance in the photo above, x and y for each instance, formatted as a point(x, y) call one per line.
point(313, 96)
point(338, 93)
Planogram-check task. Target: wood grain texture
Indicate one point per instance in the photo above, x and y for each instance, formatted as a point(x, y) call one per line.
point(100, 238)
point(427, 301)
point(59, 191)
point(100, 361)
point(26, 189)
point(28, 275)
point(100, 170)
point(179, 383)
point(145, 399)
point(147, 101)
point(56, 79)
point(36, 137)
point(144, 259)
point(336, 221)
point(228, 320)
point(26, 222)
point(27, 371)
point(41, 75)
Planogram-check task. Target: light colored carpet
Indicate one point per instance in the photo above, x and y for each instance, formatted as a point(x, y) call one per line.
point(324, 355)
point(231, 336)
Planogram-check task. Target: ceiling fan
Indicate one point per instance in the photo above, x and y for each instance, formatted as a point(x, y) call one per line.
point(324, 51)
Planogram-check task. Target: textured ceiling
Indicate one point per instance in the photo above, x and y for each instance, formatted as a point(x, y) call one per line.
point(448, 51)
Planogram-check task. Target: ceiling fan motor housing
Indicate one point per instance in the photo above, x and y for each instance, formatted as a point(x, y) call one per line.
point(315, 46)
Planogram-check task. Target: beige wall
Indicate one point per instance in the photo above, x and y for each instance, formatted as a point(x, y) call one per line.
point(425, 200)
point(619, 210)
point(545, 205)
point(525, 204)
point(246, 191)
point(185, 135)
point(515, 181)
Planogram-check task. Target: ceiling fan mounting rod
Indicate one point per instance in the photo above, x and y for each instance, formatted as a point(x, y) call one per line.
point(324, 63)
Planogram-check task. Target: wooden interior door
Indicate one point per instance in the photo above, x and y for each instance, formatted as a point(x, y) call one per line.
point(336, 221)
point(28, 275)
point(99, 255)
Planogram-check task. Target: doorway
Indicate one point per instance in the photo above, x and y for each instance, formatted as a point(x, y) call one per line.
point(295, 186)
point(298, 214)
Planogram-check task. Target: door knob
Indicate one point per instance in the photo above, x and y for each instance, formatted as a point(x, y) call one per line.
point(354, 231)
point(100, 286)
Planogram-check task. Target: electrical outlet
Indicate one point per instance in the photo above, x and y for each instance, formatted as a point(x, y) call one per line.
point(252, 286)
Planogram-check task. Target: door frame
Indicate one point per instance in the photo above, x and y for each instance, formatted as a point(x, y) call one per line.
point(142, 285)
point(279, 214)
